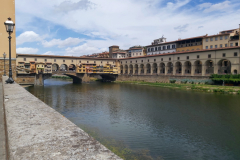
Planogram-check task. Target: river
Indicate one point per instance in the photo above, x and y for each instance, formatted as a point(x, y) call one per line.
point(151, 122)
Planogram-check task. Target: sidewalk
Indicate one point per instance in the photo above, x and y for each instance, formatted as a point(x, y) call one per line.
point(2, 128)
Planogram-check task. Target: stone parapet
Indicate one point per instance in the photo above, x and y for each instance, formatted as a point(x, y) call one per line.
point(36, 131)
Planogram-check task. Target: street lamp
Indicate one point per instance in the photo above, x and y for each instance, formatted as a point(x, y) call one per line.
point(4, 56)
point(9, 28)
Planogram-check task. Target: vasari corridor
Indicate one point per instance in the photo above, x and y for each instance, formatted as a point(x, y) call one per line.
point(114, 80)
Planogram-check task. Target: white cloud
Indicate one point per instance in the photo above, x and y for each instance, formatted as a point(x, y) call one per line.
point(127, 23)
point(62, 43)
point(26, 50)
point(82, 50)
point(48, 53)
point(209, 7)
point(28, 36)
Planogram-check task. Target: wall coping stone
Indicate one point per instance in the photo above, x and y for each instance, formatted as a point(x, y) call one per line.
point(36, 131)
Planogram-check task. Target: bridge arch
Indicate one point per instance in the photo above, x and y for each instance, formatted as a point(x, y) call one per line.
point(63, 67)
point(72, 67)
point(55, 67)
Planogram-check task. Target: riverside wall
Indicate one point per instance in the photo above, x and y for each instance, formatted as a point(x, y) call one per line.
point(36, 131)
point(162, 78)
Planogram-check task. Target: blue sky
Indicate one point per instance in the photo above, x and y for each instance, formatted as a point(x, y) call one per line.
point(80, 27)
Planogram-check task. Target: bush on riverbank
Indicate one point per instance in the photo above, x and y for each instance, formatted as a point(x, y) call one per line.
point(190, 86)
point(228, 78)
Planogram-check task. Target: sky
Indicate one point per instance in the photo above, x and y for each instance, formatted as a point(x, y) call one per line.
point(82, 27)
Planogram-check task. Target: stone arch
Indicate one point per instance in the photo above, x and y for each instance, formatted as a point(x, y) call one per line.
point(198, 67)
point(155, 68)
point(148, 68)
point(55, 67)
point(178, 67)
point(162, 68)
point(63, 67)
point(121, 68)
point(126, 69)
point(169, 67)
point(142, 68)
point(224, 66)
point(209, 67)
point(131, 69)
point(72, 67)
point(136, 69)
point(188, 67)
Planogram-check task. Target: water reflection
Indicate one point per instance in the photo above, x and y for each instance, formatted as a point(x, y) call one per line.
point(173, 124)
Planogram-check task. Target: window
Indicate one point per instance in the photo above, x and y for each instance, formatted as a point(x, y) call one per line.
point(168, 47)
point(173, 46)
point(226, 45)
point(149, 49)
point(236, 44)
point(206, 47)
point(142, 60)
point(216, 38)
point(161, 59)
point(169, 59)
point(206, 39)
point(221, 37)
point(152, 49)
point(164, 47)
point(45, 60)
point(198, 56)
point(87, 61)
point(54, 60)
point(156, 49)
point(72, 60)
point(148, 60)
point(94, 61)
point(187, 57)
point(215, 46)
point(126, 61)
point(35, 59)
point(159, 48)
point(209, 56)
point(79, 61)
point(220, 45)
point(63, 60)
point(226, 37)
point(24, 59)
point(235, 54)
point(231, 44)
point(178, 58)
point(136, 61)
point(211, 39)
point(211, 46)
point(154, 60)
point(224, 54)
point(130, 61)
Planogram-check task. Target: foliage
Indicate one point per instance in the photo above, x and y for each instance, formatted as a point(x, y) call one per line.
point(172, 81)
point(228, 78)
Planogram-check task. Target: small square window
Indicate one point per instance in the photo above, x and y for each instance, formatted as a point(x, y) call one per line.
point(215, 46)
point(231, 44)
point(126, 61)
point(209, 56)
point(220, 45)
point(63, 60)
point(142, 60)
point(24, 59)
point(136, 61)
point(211, 39)
point(216, 38)
point(206, 47)
point(45, 60)
point(79, 61)
point(206, 39)
point(224, 54)
point(235, 54)
point(161, 59)
point(87, 61)
point(211, 46)
point(226, 37)
point(178, 58)
point(130, 61)
point(154, 60)
point(54, 60)
point(198, 56)
point(148, 60)
point(94, 61)
point(226, 45)
point(169, 59)
point(187, 57)
point(35, 59)
point(221, 37)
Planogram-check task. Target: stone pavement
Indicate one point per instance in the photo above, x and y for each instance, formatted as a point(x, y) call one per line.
point(38, 132)
point(2, 128)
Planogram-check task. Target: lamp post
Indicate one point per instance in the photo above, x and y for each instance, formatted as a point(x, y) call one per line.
point(9, 28)
point(4, 56)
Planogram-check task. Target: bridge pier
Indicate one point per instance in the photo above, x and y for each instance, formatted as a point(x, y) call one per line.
point(39, 79)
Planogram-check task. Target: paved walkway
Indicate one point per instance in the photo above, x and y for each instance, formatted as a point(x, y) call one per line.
point(2, 128)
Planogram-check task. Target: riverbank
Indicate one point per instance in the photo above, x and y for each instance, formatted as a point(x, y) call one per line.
point(197, 87)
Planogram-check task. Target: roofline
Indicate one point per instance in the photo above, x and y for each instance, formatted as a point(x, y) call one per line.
point(69, 57)
point(174, 53)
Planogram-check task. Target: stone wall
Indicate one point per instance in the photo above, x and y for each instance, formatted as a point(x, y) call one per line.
point(36, 131)
point(7, 68)
point(162, 78)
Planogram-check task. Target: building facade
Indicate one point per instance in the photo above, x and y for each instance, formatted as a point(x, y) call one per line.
point(135, 51)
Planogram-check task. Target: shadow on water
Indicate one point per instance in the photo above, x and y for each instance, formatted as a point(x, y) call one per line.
point(150, 122)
